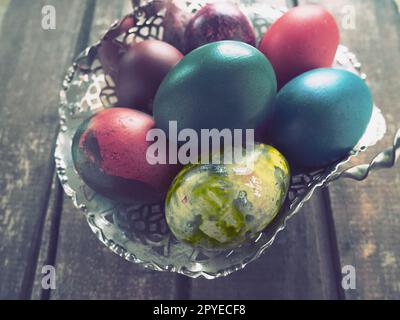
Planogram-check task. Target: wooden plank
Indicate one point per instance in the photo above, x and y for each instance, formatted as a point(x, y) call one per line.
point(85, 268)
point(367, 214)
point(49, 239)
point(3, 8)
point(301, 264)
point(32, 62)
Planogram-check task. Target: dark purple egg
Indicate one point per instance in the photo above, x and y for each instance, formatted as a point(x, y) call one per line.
point(218, 21)
point(111, 50)
point(175, 22)
point(176, 18)
point(109, 152)
point(141, 71)
point(110, 53)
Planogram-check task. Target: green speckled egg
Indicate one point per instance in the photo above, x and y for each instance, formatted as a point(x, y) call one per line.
point(222, 206)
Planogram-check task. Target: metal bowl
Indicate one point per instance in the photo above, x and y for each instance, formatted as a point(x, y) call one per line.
point(140, 233)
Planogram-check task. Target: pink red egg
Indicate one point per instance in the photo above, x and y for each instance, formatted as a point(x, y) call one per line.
point(109, 153)
point(141, 71)
point(218, 21)
point(304, 38)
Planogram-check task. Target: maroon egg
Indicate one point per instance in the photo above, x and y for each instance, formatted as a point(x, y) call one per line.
point(111, 50)
point(109, 153)
point(175, 22)
point(218, 21)
point(110, 53)
point(141, 72)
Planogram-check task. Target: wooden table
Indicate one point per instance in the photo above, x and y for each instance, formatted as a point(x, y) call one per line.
point(350, 224)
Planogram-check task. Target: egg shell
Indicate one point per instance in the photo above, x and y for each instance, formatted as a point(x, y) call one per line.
point(218, 21)
point(175, 22)
point(224, 84)
point(141, 71)
point(223, 206)
point(109, 153)
point(320, 116)
point(304, 38)
point(110, 51)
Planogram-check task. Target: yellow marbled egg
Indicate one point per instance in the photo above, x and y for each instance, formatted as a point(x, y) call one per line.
point(222, 206)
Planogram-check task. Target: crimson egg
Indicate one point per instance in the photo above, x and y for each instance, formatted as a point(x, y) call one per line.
point(304, 38)
point(141, 71)
point(109, 152)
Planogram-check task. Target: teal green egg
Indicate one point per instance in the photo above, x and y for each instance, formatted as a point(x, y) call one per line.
point(223, 206)
point(224, 84)
point(320, 116)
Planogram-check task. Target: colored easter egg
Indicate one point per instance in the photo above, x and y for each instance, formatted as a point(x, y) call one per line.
point(109, 153)
point(304, 38)
point(320, 116)
point(224, 84)
point(218, 21)
point(141, 71)
point(223, 206)
point(175, 22)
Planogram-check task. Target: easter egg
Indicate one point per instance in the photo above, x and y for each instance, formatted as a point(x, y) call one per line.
point(218, 21)
point(109, 153)
point(175, 22)
point(224, 84)
point(320, 116)
point(141, 71)
point(223, 206)
point(110, 54)
point(110, 51)
point(304, 38)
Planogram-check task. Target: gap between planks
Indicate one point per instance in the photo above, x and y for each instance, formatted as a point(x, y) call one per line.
point(45, 251)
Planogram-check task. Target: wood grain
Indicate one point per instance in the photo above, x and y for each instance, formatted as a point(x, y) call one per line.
point(32, 62)
point(367, 214)
point(3, 8)
point(85, 268)
point(49, 241)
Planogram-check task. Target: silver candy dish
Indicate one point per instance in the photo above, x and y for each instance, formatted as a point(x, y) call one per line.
point(139, 233)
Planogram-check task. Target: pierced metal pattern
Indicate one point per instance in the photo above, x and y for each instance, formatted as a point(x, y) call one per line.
point(139, 233)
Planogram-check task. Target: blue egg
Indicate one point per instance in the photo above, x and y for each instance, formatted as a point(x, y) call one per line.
point(320, 116)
